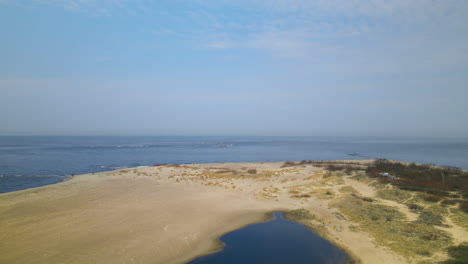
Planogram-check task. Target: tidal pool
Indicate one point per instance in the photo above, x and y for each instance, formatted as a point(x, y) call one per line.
point(274, 242)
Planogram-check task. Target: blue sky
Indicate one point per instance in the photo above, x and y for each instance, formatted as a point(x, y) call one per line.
point(234, 67)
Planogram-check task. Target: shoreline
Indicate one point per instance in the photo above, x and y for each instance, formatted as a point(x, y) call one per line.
point(221, 245)
point(174, 213)
point(269, 216)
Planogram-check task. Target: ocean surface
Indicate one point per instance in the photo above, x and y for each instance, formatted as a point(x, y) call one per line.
point(27, 162)
point(275, 242)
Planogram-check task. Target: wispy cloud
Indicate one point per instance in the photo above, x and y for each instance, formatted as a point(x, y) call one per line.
point(362, 31)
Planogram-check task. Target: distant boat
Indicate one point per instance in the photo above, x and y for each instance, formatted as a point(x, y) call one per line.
point(354, 154)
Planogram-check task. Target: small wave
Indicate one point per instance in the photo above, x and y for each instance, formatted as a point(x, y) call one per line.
point(222, 146)
point(116, 167)
point(178, 145)
point(118, 146)
point(33, 176)
point(110, 167)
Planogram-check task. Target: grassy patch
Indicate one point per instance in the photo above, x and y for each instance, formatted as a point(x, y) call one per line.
point(431, 197)
point(332, 179)
point(437, 209)
point(430, 218)
point(252, 171)
point(268, 192)
point(414, 207)
point(394, 194)
point(458, 254)
point(347, 189)
point(298, 215)
point(300, 196)
point(459, 217)
point(391, 228)
point(464, 206)
point(323, 194)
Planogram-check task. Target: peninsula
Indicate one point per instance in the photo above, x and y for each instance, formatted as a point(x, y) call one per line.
point(174, 213)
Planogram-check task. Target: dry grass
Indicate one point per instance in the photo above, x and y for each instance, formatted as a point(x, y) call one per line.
point(300, 196)
point(268, 192)
point(392, 229)
point(226, 171)
point(323, 194)
point(315, 176)
point(252, 171)
point(394, 194)
point(301, 187)
point(459, 217)
point(430, 218)
point(298, 215)
point(415, 208)
point(347, 189)
point(332, 179)
point(458, 254)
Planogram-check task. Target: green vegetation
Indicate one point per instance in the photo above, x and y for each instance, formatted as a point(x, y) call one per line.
point(414, 207)
point(430, 218)
point(252, 171)
point(394, 194)
point(464, 206)
point(459, 217)
point(391, 228)
point(458, 254)
point(323, 194)
point(347, 166)
point(298, 214)
point(435, 182)
point(347, 189)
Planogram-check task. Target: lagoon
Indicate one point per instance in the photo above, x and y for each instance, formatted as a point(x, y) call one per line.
point(277, 241)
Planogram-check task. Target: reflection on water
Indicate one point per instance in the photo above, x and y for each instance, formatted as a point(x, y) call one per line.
point(274, 242)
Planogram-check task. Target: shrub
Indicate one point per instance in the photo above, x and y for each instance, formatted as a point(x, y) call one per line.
point(298, 214)
point(415, 207)
point(448, 202)
point(252, 171)
point(390, 227)
point(431, 198)
point(464, 206)
point(423, 178)
point(430, 218)
point(458, 254)
point(394, 194)
point(304, 195)
point(288, 164)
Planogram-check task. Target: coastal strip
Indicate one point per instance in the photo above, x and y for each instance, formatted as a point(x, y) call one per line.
point(174, 213)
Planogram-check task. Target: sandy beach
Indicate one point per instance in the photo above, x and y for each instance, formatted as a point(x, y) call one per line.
point(174, 213)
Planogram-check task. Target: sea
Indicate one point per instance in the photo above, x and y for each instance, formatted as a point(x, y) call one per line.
point(32, 161)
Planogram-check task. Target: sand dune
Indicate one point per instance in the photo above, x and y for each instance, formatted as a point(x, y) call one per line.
point(167, 214)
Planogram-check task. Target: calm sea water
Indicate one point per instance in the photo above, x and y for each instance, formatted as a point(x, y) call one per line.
point(27, 162)
point(275, 242)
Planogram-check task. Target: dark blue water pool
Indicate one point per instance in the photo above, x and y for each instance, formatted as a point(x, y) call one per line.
point(278, 241)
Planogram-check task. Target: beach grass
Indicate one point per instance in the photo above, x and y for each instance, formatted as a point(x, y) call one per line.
point(458, 254)
point(392, 229)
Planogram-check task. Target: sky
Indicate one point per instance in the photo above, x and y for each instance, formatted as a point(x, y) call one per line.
point(234, 67)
